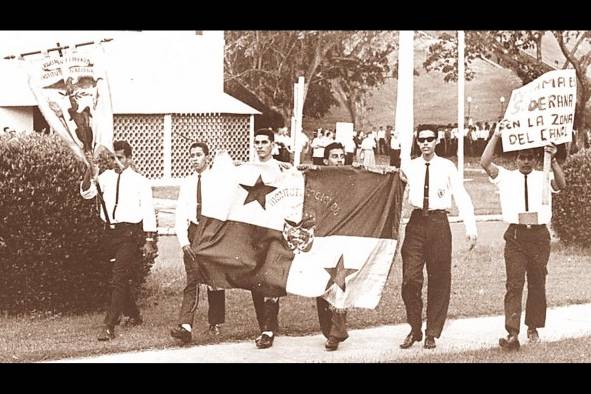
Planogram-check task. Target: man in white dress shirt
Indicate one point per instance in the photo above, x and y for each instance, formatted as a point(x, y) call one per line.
point(432, 180)
point(266, 308)
point(128, 211)
point(188, 215)
point(527, 239)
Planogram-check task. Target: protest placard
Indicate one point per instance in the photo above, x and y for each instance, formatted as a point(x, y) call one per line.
point(540, 112)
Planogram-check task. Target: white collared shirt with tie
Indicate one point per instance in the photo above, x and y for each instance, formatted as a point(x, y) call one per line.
point(444, 182)
point(186, 208)
point(511, 185)
point(135, 203)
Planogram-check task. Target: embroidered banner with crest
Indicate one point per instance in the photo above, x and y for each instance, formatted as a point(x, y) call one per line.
point(73, 95)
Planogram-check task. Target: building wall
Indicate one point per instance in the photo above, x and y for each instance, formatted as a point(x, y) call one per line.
point(155, 69)
point(161, 142)
point(17, 118)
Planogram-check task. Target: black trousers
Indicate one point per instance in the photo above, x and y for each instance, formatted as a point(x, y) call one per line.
point(318, 161)
point(331, 323)
point(215, 298)
point(349, 158)
point(527, 251)
point(427, 240)
point(267, 312)
point(123, 245)
point(395, 157)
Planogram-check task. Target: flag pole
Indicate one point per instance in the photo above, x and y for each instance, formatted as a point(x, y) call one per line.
point(298, 113)
point(546, 176)
point(461, 76)
point(404, 119)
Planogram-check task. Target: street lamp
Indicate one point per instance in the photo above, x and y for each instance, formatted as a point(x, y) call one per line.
point(502, 101)
point(469, 106)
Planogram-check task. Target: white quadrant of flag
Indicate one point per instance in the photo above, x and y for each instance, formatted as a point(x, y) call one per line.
point(370, 257)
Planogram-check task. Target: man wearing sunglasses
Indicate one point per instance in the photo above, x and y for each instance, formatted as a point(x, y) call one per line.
point(527, 240)
point(432, 180)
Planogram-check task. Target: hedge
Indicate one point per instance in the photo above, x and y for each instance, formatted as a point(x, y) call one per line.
point(571, 213)
point(50, 237)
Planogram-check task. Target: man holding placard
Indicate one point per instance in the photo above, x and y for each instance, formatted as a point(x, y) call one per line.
point(527, 239)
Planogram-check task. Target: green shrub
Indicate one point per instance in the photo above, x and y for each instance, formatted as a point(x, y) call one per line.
point(571, 214)
point(50, 237)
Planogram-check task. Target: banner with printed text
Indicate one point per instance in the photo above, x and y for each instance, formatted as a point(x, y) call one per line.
point(540, 112)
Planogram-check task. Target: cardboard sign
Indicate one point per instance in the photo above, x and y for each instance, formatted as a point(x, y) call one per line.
point(344, 132)
point(541, 112)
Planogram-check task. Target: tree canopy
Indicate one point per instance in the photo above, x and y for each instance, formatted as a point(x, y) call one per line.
point(339, 67)
point(522, 52)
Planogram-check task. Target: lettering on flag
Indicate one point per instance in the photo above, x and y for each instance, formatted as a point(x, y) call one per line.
point(540, 112)
point(328, 232)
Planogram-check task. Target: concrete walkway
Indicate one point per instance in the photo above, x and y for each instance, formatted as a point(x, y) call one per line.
point(377, 344)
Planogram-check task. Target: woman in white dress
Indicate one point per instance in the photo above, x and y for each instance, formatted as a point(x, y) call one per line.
point(367, 146)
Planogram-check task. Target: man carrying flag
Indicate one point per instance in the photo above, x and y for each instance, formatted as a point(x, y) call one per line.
point(129, 216)
point(333, 323)
point(266, 308)
point(188, 214)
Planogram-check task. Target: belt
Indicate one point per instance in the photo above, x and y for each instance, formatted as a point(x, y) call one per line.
point(430, 212)
point(528, 226)
point(114, 226)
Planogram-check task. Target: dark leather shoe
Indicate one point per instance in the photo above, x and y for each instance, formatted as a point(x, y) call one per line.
point(134, 321)
point(429, 342)
point(214, 329)
point(179, 332)
point(532, 335)
point(509, 343)
point(264, 341)
point(331, 344)
point(410, 340)
point(106, 333)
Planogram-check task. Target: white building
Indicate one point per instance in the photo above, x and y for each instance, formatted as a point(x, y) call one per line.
point(167, 89)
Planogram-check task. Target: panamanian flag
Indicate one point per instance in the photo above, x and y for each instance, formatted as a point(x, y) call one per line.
point(329, 232)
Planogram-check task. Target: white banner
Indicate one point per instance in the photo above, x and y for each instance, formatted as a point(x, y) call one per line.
point(73, 95)
point(542, 111)
point(344, 132)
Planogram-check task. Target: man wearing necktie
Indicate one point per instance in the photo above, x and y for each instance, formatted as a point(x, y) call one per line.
point(527, 239)
point(129, 215)
point(188, 216)
point(432, 181)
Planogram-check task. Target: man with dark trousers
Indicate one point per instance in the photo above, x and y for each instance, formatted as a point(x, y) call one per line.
point(432, 180)
point(527, 239)
point(188, 214)
point(332, 323)
point(130, 218)
point(266, 308)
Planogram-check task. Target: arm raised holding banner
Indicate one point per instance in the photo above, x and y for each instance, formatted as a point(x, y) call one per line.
point(527, 239)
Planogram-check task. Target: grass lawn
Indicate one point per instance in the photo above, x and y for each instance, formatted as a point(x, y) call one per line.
point(576, 350)
point(477, 289)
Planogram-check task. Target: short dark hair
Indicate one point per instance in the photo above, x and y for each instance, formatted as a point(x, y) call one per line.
point(201, 145)
point(268, 132)
point(331, 146)
point(124, 146)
